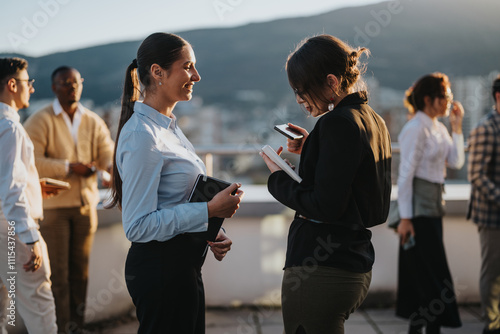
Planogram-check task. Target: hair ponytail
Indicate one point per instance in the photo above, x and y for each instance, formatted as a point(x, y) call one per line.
point(131, 93)
point(355, 70)
point(158, 48)
point(409, 101)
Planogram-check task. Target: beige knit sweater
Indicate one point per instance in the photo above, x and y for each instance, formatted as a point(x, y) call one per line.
point(54, 146)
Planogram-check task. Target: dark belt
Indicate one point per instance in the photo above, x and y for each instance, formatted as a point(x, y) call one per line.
point(309, 219)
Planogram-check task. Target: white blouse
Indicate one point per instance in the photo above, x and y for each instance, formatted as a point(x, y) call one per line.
point(426, 149)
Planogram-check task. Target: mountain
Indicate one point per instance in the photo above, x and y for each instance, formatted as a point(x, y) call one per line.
point(407, 39)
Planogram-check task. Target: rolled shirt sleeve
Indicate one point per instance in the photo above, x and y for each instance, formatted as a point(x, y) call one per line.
point(456, 155)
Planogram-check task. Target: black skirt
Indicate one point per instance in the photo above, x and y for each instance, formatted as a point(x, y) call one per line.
point(425, 288)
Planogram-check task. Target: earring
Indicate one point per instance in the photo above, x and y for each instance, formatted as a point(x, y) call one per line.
point(159, 83)
point(331, 105)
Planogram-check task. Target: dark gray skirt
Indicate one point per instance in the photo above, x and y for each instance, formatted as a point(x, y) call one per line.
point(318, 300)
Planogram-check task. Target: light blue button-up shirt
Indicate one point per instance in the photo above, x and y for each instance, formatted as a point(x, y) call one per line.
point(158, 167)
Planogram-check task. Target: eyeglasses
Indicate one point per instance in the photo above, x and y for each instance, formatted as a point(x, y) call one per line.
point(69, 83)
point(29, 81)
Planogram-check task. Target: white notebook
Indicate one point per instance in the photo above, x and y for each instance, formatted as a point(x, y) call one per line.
point(271, 153)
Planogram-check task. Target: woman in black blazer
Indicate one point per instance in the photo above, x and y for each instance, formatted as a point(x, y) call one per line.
point(345, 164)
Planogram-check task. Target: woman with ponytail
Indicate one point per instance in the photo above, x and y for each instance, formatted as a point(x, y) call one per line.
point(345, 165)
point(155, 168)
point(424, 279)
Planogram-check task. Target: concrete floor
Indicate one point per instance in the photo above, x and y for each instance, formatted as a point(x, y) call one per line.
point(268, 321)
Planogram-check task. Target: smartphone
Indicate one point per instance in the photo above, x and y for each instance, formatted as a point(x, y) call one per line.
point(409, 243)
point(287, 132)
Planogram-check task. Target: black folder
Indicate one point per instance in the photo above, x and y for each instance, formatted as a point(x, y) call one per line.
point(204, 189)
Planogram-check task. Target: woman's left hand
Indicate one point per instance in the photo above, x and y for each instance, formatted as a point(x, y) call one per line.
point(270, 164)
point(221, 245)
point(456, 117)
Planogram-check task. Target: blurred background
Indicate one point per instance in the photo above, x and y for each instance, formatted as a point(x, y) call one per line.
point(241, 49)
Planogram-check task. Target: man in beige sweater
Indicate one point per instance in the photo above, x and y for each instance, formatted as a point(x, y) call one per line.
point(71, 143)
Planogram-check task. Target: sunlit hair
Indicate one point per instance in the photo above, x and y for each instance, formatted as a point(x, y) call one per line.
point(496, 87)
point(9, 67)
point(316, 57)
point(432, 85)
point(159, 48)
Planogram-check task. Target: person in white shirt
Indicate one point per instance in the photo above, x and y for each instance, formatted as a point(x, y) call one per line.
point(25, 287)
point(425, 289)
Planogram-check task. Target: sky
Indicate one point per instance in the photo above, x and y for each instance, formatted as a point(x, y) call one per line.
point(40, 27)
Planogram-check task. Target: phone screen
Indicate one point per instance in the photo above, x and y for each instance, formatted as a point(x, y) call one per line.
point(286, 131)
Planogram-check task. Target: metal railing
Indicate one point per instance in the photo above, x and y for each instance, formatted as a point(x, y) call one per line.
point(207, 153)
point(211, 156)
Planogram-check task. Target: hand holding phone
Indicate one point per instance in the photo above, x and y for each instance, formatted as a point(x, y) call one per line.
point(410, 243)
point(295, 145)
point(285, 130)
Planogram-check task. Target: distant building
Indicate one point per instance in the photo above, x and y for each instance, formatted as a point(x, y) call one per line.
point(474, 92)
point(388, 103)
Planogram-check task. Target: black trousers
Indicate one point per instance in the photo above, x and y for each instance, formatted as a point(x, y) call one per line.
point(164, 281)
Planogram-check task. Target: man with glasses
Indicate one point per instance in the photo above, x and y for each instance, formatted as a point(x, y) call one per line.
point(71, 143)
point(24, 263)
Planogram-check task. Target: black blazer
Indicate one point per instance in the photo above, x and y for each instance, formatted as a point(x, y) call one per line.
point(346, 170)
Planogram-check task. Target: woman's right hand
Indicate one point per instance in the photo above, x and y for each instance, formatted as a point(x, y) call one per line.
point(295, 145)
point(405, 229)
point(224, 205)
point(456, 117)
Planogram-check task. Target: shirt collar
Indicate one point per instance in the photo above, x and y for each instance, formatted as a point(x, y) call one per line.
point(58, 108)
point(425, 118)
point(154, 115)
point(8, 112)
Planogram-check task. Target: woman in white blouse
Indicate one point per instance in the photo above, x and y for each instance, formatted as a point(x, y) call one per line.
point(425, 290)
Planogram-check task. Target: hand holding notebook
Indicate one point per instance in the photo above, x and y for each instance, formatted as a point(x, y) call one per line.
point(268, 150)
point(47, 182)
point(204, 190)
